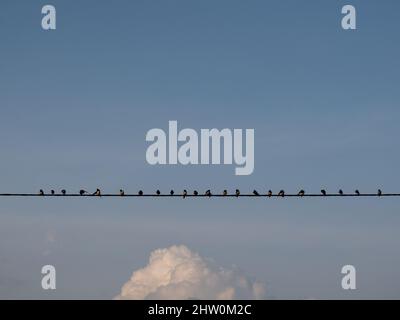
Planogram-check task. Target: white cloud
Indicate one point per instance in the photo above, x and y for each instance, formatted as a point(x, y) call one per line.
point(178, 273)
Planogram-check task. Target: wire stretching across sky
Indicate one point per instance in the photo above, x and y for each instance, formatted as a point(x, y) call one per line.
point(219, 195)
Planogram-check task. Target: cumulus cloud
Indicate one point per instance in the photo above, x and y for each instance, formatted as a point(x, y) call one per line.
point(178, 273)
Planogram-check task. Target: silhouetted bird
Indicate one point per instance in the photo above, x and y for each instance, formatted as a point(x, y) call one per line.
point(52, 192)
point(121, 192)
point(158, 192)
point(225, 193)
point(195, 193)
point(171, 192)
point(357, 192)
point(140, 192)
point(184, 194)
point(379, 192)
point(237, 193)
point(255, 193)
point(323, 192)
point(269, 194)
point(64, 192)
point(341, 192)
point(41, 192)
point(301, 193)
point(208, 193)
point(97, 192)
point(82, 192)
point(281, 193)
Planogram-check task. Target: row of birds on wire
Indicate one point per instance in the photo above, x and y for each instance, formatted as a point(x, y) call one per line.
point(208, 193)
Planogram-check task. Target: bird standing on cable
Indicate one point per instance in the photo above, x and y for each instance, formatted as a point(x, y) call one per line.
point(64, 192)
point(323, 192)
point(237, 193)
point(184, 194)
point(379, 192)
point(158, 192)
point(269, 194)
point(140, 193)
point(301, 193)
point(52, 192)
point(208, 193)
point(121, 192)
point(225, 193)
point(281, 193)
point(255, 193)
point(341, 192)
point(82, 192)
point(97, 192)
point(357, 192)
point(195, 193)
point(171, 192)
point(41, 192)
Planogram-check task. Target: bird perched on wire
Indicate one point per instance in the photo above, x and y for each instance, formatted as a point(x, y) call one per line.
point(97, 192)
point(171, 192)
point(41, 192)
point(184, 194)
point(255, 193)
point(225, 193)
point(237, 193)
point(158, 192)
point(341, 192)
point(301, 193)
point(379, 192)
point(140, 193)
point(121, 192)
point(64, 192)
point(52, 192)
point(323, 192)
point(208, 193)
point(281, 193)
point(82, 192)
point(269, 194)
point(357, 192)
point(195, 193)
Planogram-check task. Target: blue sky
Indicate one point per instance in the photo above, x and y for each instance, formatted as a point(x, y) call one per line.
point(76, 104)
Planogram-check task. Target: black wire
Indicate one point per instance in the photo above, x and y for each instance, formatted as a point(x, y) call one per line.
point(203, 195)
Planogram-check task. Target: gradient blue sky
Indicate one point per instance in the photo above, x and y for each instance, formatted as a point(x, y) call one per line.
point(76, 104)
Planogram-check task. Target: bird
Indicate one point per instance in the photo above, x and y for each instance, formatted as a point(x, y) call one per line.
point(208, 193)
point(301, 193)
point(357, 192)
point(82, 192)
point(255, 193)
point(171, 192)
point(52, 192)
point(323, 192)
point(158, 192)
point(379, 192)
point(97, 192)
point(195, 193)
point(184, 194)
point(121, 192)
point(237, 193)
point(225, 193)
point(140, 193)
point(341, 192)
point(41, 192)
point(281, 193)
point(269, 194)
point(64, 192)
